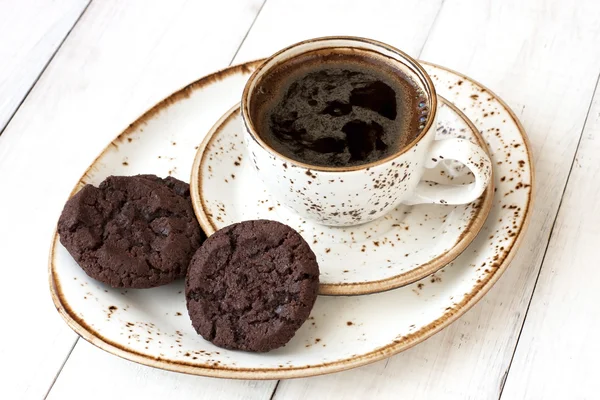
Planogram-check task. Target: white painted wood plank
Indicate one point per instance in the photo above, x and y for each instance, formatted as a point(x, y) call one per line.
point(121, 58)
point(31, 32)
point(526, 52)
point(557, 355)
point(99, 375)
point(284, 22)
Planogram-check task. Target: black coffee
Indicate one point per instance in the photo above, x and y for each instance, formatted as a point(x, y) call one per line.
point(338, 109)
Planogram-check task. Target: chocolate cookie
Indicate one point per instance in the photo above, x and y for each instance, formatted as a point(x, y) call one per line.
point(251, 286)
point(132, 231)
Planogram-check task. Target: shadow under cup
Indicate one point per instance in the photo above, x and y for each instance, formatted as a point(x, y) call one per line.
point(349, 194)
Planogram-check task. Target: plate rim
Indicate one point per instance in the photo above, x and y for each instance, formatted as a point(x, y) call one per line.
point(395, 347)
point(475, 223)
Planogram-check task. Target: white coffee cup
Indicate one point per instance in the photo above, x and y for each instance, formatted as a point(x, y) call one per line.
point(343, 196)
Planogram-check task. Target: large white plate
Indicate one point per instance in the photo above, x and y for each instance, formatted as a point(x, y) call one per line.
point(151, 326)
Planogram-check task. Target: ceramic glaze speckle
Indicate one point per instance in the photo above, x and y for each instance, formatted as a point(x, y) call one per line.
point(352, 260)
point(382, 324)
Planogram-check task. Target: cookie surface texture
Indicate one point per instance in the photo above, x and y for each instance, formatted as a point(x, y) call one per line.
point(252, 285)
point(132, 231)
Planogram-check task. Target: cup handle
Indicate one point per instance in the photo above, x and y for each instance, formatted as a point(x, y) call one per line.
point(465, 152)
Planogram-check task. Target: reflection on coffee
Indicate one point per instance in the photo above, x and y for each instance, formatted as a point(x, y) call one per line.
point(338, 109)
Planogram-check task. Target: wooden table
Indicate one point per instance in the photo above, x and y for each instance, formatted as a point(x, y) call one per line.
point(73, 73)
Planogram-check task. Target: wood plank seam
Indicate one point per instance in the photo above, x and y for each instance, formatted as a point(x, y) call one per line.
point(439, 11)
point(2, 129)
point(247, 32)
point(274, 390)
point(506, 374)
point(61, 367)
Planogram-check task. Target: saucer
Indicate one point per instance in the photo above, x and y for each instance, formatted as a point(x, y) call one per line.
point(408, 244)
point(150, 326)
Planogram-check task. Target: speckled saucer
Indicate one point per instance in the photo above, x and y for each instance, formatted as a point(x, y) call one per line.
point(151, 326)
point(406, 245)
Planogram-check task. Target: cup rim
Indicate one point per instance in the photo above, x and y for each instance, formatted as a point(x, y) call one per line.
point(422, 74)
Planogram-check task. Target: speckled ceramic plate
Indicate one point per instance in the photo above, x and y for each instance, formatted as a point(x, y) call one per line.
point(402, 247)
point(151, 326)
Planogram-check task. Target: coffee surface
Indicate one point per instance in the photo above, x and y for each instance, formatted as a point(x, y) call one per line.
point(337, 109)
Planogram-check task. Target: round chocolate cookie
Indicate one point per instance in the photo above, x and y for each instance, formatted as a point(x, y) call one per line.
point(132, 231)
point(252, 285)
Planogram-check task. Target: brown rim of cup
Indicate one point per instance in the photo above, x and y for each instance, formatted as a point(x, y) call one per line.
point(409, 61)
